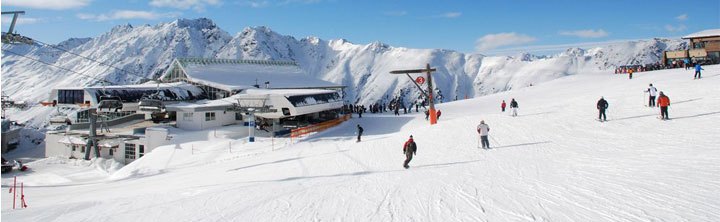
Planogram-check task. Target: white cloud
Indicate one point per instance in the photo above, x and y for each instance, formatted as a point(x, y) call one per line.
point(678, 28)
point(395, 13)
point(47, 4)
point(589, 33)
point(197, 5)
point(682, 17)
point(255, 3)
point(126, 15)
point(7, 19)
point(450, 15)
point(492, 41)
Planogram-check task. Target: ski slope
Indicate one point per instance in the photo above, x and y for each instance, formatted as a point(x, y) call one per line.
point(553, 162)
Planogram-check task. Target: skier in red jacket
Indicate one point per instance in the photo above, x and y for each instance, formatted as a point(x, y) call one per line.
point(502, 106)
point(409, 150)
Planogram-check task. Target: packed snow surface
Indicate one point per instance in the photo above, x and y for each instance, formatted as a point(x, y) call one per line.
point(554, 162)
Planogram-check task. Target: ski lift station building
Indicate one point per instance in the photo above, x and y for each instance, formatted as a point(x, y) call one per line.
point(201, 93)
point(278, 92)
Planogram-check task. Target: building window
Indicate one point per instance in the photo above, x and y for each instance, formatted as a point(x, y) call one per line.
point(82, 149)
point(187, 116)
point(129, 151)
point(209, 116)
point(238, 116)
point(70, 96)
point(141, 150)
point(111, 151)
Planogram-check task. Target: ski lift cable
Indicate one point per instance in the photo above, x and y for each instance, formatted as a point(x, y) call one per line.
point(102, 81)
point(108, 65)
point(91, 59)
point(56, 66)
point(103, 63)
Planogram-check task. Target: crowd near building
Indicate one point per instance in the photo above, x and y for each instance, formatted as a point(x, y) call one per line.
point(704, 48)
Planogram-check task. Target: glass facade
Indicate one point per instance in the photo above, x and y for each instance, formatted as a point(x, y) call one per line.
point(71, 96)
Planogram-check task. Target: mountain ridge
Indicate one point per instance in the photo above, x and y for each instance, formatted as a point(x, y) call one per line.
point(146, 51)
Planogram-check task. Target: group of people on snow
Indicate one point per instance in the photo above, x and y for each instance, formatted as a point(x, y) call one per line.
point(662, 101)
point(513, 107)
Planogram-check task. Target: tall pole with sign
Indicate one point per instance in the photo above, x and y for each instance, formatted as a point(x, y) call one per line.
point(429, 93)
point(431, 98)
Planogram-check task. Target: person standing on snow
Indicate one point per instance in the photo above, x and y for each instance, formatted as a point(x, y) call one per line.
point(602, 105)
point(514, 107)
point(653, 92)
point(663, 102)
point(630, 72)
point(697, 71)
point(359, 132)
point(483, 130)
point(502, 106)
point(409, 149)
point(438, 114)
point(427, 115)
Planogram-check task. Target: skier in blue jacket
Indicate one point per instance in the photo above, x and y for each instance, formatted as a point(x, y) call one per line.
point(697, 71)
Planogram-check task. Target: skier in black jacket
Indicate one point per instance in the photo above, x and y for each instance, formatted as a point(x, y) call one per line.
point(360, 131)
point(602, 105)
point(514, 107)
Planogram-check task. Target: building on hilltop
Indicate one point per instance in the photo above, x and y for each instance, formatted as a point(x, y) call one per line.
point(704, 48)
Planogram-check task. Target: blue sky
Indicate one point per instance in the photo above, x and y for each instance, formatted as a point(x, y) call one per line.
point(489, 27)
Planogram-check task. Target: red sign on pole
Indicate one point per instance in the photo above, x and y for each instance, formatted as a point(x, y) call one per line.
point(420, 80)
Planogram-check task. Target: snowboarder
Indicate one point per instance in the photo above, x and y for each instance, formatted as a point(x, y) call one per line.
point(663, 102)
point(438, 114)
point(483, 130)
point(502, 106)
point(514, 107)
point(697, 71)
point(360, 111)
point(397, 109)
point(409, 149)
point(653, 93)
point(359, 132)
point(427, 115)
point(602, 105)
point(630, 72)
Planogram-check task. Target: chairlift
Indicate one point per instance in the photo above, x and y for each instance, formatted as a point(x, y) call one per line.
point(110, 103)
point(151, 105)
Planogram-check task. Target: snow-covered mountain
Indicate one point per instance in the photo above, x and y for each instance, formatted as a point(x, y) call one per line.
point(146, 51)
